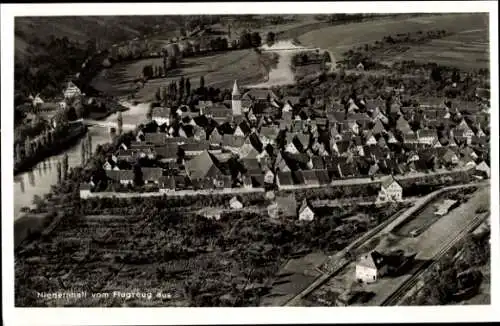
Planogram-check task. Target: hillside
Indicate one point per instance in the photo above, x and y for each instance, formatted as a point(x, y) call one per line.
point(108, 29)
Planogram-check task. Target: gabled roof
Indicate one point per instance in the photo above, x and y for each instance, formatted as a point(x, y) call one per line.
point(202, 166)
point(285, 178)
point(117, 175)
point(156, 138)
point(232, 141)
point(310, 177)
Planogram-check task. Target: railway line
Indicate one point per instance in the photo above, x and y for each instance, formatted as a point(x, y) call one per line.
point(398, 295)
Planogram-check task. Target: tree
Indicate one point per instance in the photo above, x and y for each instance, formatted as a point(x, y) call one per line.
point(147, 71)
point(18, 152)
point(158, 95)
point(27, 147)
point(270, 39)
point(59, 172)
point(255, 39)
point(181, 87)
point(202, 82)
point(65, 166)
point(89, 145)
point(188, 87)
point(164, 95)
point(82, 153)
point(119, 123)
point(138, 177)
point(436, 74)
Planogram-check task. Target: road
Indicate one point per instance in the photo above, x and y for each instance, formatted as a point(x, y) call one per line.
point(338, 262)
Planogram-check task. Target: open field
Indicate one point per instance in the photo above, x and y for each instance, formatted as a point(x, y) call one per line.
point(427, 245)
point(467, 49)
point(339, 39)
point(219, 70)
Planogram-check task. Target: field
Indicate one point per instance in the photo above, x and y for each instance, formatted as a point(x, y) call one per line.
point(339, 39)
point(219, 70)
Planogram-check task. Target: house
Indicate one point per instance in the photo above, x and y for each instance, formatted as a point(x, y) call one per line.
point(215, 137)
point(426, 136)
point(235, 203)
point(390, 190)
point(203, 171)
point(403, 125)
point(72, 91)
point(450, 157)
point(322, 176)
point(269, 177)
point(37, 101)
point(310, 178)
point(306, 212)
point(368, 267)
point(155, 138)
point(85, 190)
point(284, 180)
point(151, 175)
point(167, 184)
point(483, 169)
point(125, 177)
point(161, 115)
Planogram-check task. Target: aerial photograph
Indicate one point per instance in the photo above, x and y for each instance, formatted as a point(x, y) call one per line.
point(252, 160)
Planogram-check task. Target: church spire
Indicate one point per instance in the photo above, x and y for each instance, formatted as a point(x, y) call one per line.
point(236, 90)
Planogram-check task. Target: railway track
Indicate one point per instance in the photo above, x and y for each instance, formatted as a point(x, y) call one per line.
point(397, 296)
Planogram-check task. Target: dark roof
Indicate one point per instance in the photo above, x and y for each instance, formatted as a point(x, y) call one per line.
point(322, 176)
point(120, 175)
point(202, 166)
point(152, 173)
point(285, 178)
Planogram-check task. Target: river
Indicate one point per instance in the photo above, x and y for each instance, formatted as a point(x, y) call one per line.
point(39, 179)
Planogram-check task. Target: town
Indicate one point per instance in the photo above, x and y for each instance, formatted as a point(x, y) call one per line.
point(298, 177)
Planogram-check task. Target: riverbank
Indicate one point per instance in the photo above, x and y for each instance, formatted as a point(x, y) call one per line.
point(59, 145)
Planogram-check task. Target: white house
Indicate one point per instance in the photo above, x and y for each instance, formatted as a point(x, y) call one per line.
point(235, 203)
point(483, 167)
point(37, 101)
point(390, 190)
point(306, 212)
point(161, 115)
point(85, 189)
point(269, 177)
point(367, 268)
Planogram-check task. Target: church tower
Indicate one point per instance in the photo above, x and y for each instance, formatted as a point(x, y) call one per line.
point(236, 100)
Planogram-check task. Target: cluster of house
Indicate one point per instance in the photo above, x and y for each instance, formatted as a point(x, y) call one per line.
point(70, 93)
point(258, 140)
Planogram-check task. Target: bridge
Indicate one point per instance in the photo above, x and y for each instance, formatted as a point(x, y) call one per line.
point(108, 124)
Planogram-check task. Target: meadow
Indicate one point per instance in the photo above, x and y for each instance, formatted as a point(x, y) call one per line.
point(470, 37)
point(219, 70)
